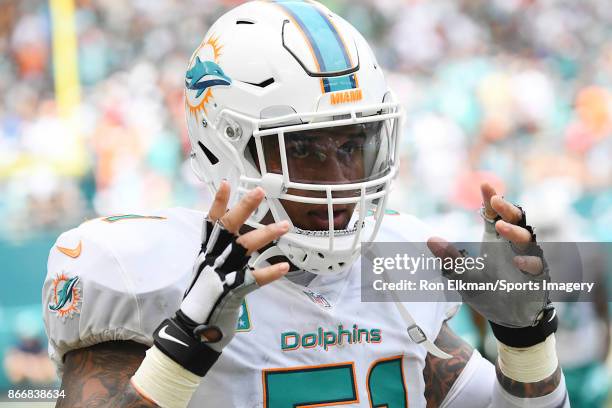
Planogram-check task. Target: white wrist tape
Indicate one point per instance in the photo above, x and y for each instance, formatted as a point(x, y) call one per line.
point(529, 364)
point(163, 381)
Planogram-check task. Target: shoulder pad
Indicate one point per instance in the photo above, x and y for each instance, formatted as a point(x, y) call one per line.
point(116, 278)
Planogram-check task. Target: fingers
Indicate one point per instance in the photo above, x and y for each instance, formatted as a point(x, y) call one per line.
point(270, 273)
point(256, 239)
point(487, 192)
point(513, 233)
point(495, 205)
point(509, 212)
point(442, 248)
point(234, 218)
point(530, 264)
point(219, 205)
point(445, 250)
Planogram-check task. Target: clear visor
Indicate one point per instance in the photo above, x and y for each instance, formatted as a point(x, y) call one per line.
point(334, 168)
point(347, 154)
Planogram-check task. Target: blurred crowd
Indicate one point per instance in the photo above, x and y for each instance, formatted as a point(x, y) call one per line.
point(517, 93)
point(514, 92)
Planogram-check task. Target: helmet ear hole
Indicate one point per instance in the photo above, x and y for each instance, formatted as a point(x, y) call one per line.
point(209, 155)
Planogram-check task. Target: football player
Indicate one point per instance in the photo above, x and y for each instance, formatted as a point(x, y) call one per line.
point(257, 303)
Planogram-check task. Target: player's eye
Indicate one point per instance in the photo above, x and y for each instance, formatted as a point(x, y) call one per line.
point(299, 149)
point(351, 147)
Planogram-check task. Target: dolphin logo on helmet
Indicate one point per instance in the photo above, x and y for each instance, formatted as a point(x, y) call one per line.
point(205, 74)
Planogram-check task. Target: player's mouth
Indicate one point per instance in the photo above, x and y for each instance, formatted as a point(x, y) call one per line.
point(319, 221)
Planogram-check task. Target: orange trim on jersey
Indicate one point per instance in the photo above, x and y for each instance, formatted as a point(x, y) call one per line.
point(306, 367)
point(305, 39)
point(375, 363)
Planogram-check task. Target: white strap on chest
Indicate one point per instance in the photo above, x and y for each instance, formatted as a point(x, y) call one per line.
point(414, 331)
point(417, 335)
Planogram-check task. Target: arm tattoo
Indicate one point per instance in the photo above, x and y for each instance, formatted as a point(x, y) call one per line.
point(529, 390)
point(99, 376)
point(440, 374)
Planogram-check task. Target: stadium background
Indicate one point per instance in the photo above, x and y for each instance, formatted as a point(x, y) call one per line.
point(516, 92)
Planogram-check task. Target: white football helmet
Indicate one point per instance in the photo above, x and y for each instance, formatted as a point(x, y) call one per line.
point(288, 96)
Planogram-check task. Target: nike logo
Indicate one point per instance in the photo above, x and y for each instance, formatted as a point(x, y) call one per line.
point(73, 253)
point(164, 335)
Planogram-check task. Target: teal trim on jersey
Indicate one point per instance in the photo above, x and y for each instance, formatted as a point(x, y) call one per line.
point(115, 218)
point(329, 50)
point(386, 384)
point(388, 211)
point(310, 386)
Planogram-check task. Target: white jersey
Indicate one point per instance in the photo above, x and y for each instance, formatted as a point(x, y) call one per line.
point(117, 278)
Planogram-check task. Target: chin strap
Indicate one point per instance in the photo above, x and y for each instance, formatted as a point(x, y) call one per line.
point(264, 256)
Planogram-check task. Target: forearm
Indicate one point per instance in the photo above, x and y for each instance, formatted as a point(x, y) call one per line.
point(543, 394)
point(132, 399)
point(103, 395)
point(475, 385)
point(529, 376)
point(99, 376)
point(529, 390)
point(478, 387)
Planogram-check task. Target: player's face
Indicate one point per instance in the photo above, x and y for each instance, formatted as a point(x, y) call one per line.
point(338, 155)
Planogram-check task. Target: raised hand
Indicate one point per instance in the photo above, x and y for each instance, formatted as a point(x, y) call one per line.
point(512, 257)
point(207, 318)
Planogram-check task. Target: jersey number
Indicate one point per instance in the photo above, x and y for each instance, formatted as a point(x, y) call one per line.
point(335, 384)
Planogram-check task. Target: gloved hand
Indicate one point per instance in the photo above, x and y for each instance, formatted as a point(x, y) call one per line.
point(519, 318)
point(207, 318)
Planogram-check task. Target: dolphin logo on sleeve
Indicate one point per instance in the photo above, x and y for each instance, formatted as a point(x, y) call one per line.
point(65, 296)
